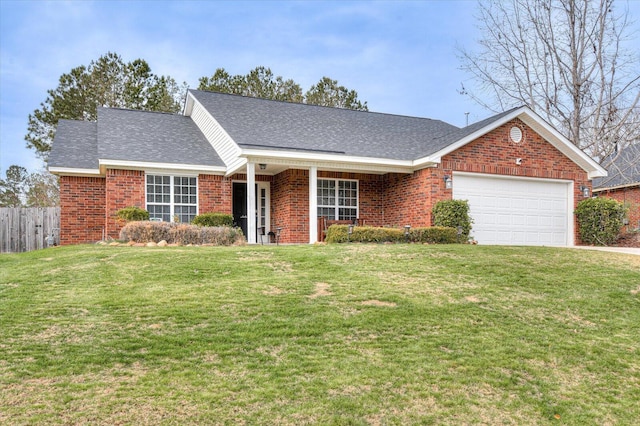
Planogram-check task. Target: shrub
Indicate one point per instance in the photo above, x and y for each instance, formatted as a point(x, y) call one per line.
point(453, 214)
point(369, 234)
point(600, 220)
point(130, 214)
point(213, 219)
point(181, 233)
point(435, 235)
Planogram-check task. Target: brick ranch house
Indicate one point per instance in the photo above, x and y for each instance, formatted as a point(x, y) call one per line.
point(289, 164)
point(623, 183)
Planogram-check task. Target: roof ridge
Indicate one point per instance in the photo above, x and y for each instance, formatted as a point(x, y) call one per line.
point(140, 110)
point(319, 106)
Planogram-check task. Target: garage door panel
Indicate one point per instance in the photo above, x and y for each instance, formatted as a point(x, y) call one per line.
point(504, 220)
point(515, 211)
point(519, 220)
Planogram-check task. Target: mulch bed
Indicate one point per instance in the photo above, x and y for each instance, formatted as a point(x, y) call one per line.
point(631, 239)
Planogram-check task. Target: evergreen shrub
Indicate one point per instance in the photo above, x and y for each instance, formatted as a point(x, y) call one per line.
point(213, 219)
point(600, 220)
point(453, 214)
point(130, 214)
point(369, 234)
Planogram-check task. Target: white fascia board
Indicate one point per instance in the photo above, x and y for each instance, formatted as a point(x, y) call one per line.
point(614, 188)
point(188, 105)
point(318, 159)
point(236, 166)
point(139, 165)
point(68, 171)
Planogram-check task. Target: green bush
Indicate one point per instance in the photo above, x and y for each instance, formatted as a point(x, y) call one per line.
point(132, 213)
point(181, 233)
point(213, 219)
point(453, 214)
point(600, 220)
point(435, 235)
point(369, 234)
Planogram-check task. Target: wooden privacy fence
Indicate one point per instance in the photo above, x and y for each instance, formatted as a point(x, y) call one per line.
point(28, 228)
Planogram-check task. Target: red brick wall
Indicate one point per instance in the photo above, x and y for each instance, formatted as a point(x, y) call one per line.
point(630, 197)
point(290, 198)
point(82, 206)
point(89, 204)
point(125, 188)
point(407, 199)
point(214, 194)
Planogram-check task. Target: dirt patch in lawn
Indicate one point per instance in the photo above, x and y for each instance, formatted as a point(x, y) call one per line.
point(375, 302)
point(322, 289)
point(273, 291)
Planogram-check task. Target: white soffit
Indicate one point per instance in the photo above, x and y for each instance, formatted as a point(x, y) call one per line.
point(139, 165)
point(328, 161)
point(67, 171)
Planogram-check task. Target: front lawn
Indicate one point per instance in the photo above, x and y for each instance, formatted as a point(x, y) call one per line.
point(337, 334)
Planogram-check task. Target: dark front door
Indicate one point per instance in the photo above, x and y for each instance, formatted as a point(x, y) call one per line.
point(240, 206)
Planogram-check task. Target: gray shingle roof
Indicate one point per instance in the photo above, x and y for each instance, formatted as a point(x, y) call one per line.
point(457, 134)
point(152, 137)
point(140, 136)
point(267, 124)
point(623, 168)
point(75, 145)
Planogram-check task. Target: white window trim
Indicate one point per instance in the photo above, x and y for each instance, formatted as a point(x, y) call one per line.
point(172, 203)
point(336, 205)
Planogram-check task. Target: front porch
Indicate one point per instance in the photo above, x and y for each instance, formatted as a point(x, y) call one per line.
point(288, 200)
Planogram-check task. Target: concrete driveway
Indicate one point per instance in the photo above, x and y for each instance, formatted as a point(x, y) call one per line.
point(626, 250)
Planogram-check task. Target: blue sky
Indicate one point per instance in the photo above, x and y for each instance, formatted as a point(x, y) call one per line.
point(399, 56)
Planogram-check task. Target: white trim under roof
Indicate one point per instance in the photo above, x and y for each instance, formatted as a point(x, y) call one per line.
point(69, 171)
point(616, 187)
point(326, 161)
point(538, 125)
point(140, 165)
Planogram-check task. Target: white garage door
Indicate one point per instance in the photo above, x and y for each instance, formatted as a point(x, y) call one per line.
point(515, 211)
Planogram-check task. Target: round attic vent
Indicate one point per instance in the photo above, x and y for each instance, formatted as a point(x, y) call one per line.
point(515, 134)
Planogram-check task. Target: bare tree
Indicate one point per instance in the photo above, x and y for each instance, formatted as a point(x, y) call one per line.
point(568, 60)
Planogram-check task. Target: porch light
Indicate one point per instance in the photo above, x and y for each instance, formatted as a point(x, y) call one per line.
point(448, 183)
point(263, 166)
point(585, 191)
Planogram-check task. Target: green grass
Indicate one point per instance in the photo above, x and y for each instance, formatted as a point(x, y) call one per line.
point(338, 334)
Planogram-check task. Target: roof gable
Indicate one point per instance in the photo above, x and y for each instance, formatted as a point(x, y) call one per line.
point(474, 131)
point(255, 123)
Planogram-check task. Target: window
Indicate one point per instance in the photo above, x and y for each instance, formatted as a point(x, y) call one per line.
point(338, 199)
point(170, 197)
